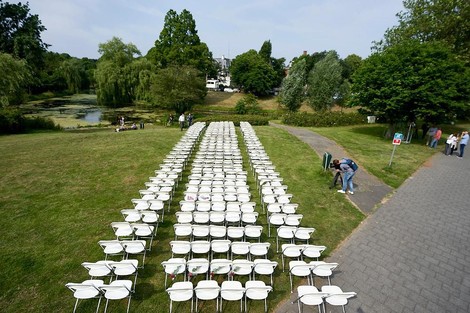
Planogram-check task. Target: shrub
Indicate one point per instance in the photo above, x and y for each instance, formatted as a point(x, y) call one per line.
point(255, 120)
point(323, 119)
point(13, 122)
point(248, 105)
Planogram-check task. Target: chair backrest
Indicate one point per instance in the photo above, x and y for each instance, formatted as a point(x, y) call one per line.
point(181, 291)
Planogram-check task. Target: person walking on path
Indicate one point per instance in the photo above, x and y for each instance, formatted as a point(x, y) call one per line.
point(463, 143)
point(348, 174)
point(436, 137)
point(181, 119)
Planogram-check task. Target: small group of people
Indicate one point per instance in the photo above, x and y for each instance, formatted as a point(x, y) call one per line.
point(433, 136)
point(456, 141)
point(182, 120)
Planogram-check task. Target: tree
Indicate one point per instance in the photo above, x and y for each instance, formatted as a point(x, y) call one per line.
point(179, 44)
point(292, 92)
point(15, 75)
point(71, 71)
point(350, 65)
point(114, 77)
point(433, 20)
point(323, 82)
point(406, 82)
point(20, 33)
point(178, 88)
point(265, 51)
point(250, 71)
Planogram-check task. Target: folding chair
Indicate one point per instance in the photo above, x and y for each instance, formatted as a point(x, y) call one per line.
point(180, 292)
point(88, 289)
point(117, 290)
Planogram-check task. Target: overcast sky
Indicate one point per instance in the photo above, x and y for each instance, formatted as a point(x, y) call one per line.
point(229, 28)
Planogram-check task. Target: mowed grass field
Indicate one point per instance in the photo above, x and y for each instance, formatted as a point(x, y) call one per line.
point(61, 191)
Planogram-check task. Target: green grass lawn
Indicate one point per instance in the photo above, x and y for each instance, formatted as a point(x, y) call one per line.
point(60, 192)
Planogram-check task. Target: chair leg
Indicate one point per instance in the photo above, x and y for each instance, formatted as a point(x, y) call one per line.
point(106, 307)
point(75, 306)
point(98, 306)
point(298, 305)
point(129, 303)
point(290, 278)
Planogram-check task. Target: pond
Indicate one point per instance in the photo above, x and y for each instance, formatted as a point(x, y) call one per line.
point(81, 110)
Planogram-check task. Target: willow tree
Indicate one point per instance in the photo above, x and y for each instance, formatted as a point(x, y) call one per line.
point(292, 92)
point(115, 87)
point(323, 82)
point(15, 75)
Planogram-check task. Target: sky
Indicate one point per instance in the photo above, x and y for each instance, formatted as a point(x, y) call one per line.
point(229, 28)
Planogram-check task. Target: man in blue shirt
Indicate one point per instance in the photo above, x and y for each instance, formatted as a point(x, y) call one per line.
point(463, 143)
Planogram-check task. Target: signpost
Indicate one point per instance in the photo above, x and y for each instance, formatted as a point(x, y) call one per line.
point(397, 138)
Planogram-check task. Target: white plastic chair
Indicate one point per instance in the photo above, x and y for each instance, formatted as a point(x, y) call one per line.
point(309, 295)
point(180, 292)
point(117, 290)
point(220, 246)
point(201, 217)
point(149, 217)
point(242, 268)
point(98, 269)
point(131, 215)
point(240, 248)
point(259, 249)
point(203, 205)
point(200, 231)
point(173, 267)
point(126, 268)
point(312, 251)
point(253, 232)
point(257, 290)
point(218, 206)
point(207, 290)
point(157, 205)
point(247, 207)
point(234, 232)
point(123, 230)
point(323, 269)
point(147, 194)
point(135, 247)
point(264, 267)
point(197, 267)
point(291, 250)
point(293, 219)
point(140, 204)
point(217, 217)
point(220, 267)
point(300, 269)
point(217, 231)
point(289, 208)
point(88, 289)
point(249, 217)
point(200, 247)
point(184, 217)
point(232, 291)
point(276, 219)
point(187, 206)
point(336, 296)
point(144, 231)
point(286, 233)
point(182, 230)
point(111, 248)
point(180, 247)
point(304, 234)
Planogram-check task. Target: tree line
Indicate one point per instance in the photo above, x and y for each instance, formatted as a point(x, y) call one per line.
point(419, 70)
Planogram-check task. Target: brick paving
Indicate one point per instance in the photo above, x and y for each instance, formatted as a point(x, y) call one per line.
point(412, 254)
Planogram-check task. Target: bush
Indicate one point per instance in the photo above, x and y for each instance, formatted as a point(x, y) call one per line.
point(13, 122)
point(255, 120)
point(248, 105)
point(323, 119)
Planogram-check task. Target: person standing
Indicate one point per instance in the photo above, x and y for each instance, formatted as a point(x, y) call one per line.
point(190, 120)
point(431, 132)
point(181, 120)
point(348, 174)
point(463, 144)
point(436, 137)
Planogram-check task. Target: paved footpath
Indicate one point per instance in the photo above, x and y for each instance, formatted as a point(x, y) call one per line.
point(413, 253)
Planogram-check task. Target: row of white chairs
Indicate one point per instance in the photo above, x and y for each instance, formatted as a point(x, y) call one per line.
point(194, 231)
point(217, 196)
point(231, 268)
point(228, 217)
point(220, 246)
point(206, 206)
point(228, 291)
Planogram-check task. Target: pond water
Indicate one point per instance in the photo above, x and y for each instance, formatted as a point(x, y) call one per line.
point(92, 116)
